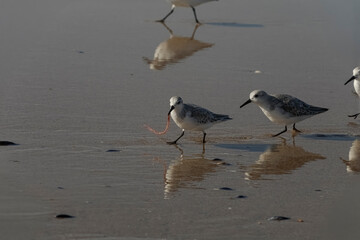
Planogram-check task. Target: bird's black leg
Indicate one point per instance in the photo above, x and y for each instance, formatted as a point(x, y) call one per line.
point(294, 128)
point(194, 11)
point(204, 137)
point(174, 142)
point(280, 132)
point(354, 115)
point(163, 20)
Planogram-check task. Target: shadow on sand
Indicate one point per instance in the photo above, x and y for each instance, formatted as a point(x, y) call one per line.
point(246, 147)
point(234, 24)
point(330, 137)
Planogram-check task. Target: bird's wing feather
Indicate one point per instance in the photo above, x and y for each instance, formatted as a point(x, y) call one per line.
point(203, 115)
point(296, 107)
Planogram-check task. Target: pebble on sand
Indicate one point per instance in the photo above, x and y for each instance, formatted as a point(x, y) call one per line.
point(278, 218)
point(241, 196)
point(225, 189)
point(113, 150)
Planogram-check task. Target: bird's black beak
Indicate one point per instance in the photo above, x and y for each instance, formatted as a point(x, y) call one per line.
point(172, 108)
point(245, 103)
point(352, 78)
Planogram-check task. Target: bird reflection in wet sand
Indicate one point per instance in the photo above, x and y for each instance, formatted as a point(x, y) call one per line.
point(175, 49)
point(186, 170)
point(353, 164)
point(280, 159)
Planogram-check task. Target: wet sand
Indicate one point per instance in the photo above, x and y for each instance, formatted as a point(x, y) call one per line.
point(80, 78)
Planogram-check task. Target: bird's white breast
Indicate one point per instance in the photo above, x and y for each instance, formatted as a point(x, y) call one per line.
point(279, 116)
point(357, 86)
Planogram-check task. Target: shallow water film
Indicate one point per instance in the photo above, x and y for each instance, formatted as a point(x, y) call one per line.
point(80, 79)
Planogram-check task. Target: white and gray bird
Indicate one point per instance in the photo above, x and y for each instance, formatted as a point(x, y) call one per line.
point(192, 117)
point(185, 3)
point(356, 78)
point(283, 109)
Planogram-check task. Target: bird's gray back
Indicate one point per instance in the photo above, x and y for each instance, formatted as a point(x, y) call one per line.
point(295, 106)
point(202, 115)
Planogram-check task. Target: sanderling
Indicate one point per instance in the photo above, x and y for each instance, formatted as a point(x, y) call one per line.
point(185, 3)
point(192, 117)
point(356, 78)
point(282, 108)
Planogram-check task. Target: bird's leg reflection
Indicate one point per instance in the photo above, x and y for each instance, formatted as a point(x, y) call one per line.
point(159, 160)
point(195, 29)
point(283, 140)
point(294, 134)
point(167, 28)
point(293, 140)
point(172, 33)
point(181, 150)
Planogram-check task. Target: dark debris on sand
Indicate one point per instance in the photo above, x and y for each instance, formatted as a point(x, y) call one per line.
point(7, 143)
point(64, 216)
point(278, 218)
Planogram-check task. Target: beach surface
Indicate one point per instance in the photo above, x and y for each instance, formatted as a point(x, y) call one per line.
point(81, 78)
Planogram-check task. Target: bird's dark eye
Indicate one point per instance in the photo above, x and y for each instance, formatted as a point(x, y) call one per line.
point(256, 95)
